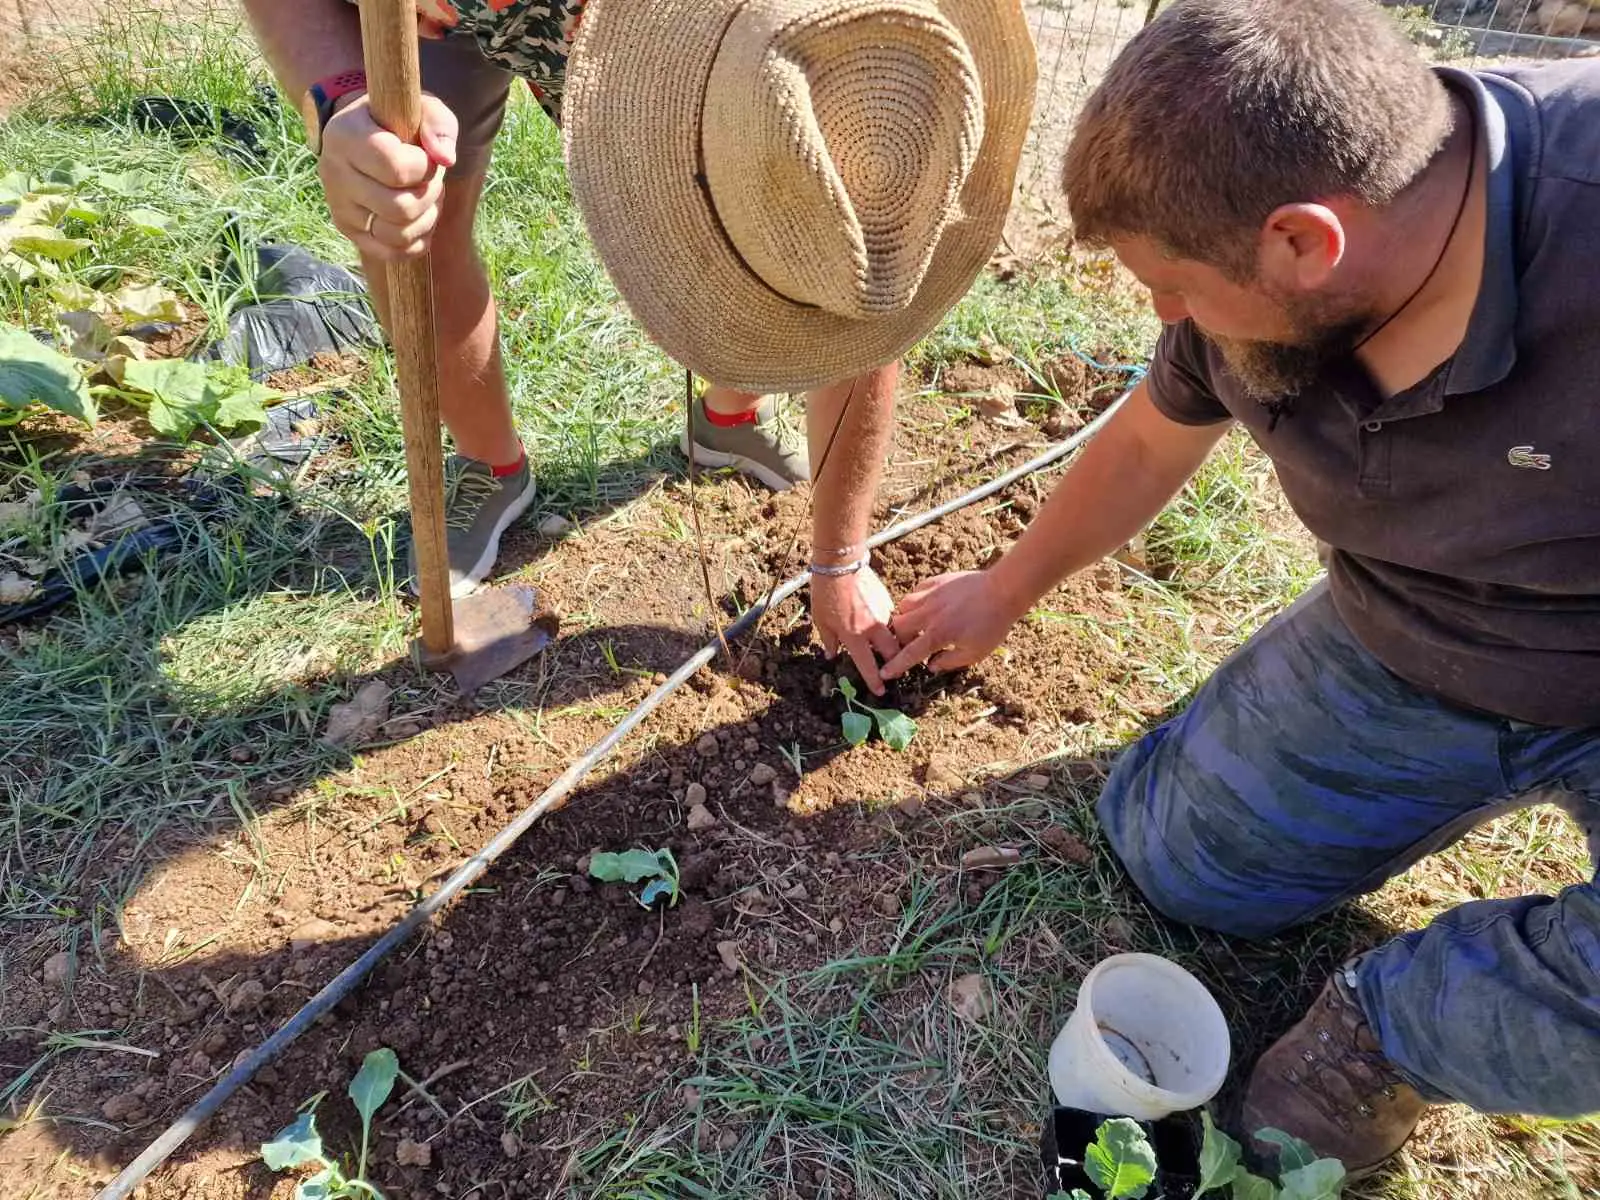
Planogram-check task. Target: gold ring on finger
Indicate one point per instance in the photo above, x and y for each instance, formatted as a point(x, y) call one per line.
point(371, 217)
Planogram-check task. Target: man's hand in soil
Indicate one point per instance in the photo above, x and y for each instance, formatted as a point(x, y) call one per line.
point(385, 194)
point(853, 612)
point(951, 622)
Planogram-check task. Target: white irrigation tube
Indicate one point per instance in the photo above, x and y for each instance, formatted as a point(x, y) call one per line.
point(470, 871)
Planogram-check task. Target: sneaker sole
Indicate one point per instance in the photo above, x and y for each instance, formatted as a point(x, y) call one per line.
point(704, 456)
point(469, 582)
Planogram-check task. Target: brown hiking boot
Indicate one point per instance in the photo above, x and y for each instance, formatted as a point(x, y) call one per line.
point(1327, 1082)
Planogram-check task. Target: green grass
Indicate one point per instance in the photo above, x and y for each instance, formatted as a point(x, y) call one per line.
point(175, 705)
point(859, 1078)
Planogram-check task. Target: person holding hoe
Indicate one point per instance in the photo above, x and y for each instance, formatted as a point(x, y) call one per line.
point(787, 193)
point(1386, 274)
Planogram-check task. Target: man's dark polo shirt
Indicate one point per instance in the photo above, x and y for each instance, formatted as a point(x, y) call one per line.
point(1464, 513)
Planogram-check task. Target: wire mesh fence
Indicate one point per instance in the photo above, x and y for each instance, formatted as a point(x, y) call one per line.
point(1077, 39)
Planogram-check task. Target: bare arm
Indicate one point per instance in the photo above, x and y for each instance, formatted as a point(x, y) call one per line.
point(383, 194)
point(850, 611)
point(846, 487)
point(1118, 485)
point(306, 40)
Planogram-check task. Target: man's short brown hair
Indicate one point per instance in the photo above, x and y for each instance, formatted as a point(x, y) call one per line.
point(1220, 111)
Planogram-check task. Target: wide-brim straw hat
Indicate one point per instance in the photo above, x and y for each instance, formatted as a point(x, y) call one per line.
point(788, 193)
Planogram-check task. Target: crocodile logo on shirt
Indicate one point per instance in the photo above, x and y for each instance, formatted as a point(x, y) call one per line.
point(1523, 456)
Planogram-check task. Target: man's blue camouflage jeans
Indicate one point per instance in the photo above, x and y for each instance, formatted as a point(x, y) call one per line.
point(1304, 774)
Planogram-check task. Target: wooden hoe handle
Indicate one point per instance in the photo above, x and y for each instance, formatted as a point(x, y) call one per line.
point(394, 88)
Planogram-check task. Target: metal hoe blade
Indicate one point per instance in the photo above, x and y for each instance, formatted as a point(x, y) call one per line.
point(496, 631)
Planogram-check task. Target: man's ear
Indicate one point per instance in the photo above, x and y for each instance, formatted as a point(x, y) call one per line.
point(1301, 245)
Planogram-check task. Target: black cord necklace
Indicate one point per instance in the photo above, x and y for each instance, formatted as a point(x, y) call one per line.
point(1284, 405)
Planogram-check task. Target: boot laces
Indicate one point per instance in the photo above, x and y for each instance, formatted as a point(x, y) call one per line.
point(1366, 1073)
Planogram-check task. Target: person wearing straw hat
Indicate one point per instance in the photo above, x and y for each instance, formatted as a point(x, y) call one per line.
point(787, 193)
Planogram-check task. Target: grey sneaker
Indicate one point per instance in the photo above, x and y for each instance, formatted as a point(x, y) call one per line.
point(477, 510)
point(765, 449)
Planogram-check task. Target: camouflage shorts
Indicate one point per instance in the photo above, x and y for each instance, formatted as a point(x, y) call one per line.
point(529, 38)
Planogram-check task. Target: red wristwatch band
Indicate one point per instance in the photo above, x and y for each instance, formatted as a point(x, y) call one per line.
point(323, 95)
point(342, 84)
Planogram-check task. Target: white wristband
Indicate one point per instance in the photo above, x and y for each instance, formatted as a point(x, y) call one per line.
point(837, 572)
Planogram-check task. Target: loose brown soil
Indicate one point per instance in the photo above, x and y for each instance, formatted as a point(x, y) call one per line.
point(543, 972)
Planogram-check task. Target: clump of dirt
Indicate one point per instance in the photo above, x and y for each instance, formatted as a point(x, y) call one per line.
point(176, 339)
point(1003, 391)
point(983, 379)
point(322, 371)
point(1080, 381)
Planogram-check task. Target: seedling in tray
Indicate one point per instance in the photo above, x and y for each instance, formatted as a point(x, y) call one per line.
point(1121, 1164)
point(894, 727)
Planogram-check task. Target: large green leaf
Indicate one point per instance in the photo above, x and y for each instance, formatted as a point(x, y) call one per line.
point(1320, 1180)
point(39, 210)
point(74, 296)
point(628, 867)
point(242, 408)
point(1252, 1187)
point(373, 1083)
point(34, 374)
point(82, 210)
point(147, 302)
point(45, 241)
point(126, 183)
point(1219, 1158)
point(1121, 1162)
point(177, 391)
point(1293, 1153)
point(294, 1146)
point(181, 396)
point(148, 221)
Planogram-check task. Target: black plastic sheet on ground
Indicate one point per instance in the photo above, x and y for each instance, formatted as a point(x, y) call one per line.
point(305, 307)
point(205, 499)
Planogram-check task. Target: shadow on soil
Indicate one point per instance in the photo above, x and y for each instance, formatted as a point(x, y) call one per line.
point(597, 1005)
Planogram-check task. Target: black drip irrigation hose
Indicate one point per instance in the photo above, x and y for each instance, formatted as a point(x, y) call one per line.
point(342, 984)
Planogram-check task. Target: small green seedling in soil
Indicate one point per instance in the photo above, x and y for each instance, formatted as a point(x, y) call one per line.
point(796, 760)
point(300, 1144)
point(1122, 1164)
point(894, 727)
point(631, 866)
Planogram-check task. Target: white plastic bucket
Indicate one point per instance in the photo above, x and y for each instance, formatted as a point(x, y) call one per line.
point(1146, 1040)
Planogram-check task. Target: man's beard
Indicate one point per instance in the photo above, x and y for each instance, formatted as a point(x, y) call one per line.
point(1273, 371)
